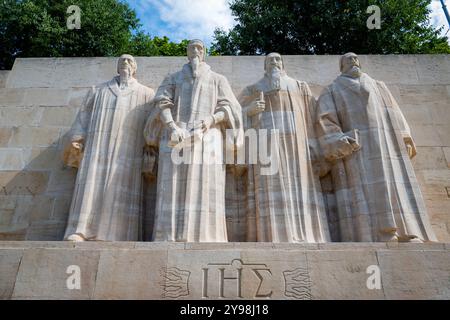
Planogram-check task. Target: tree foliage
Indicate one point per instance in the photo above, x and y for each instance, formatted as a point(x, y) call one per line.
point(37, 28)
point(329, 27)
point(142, 44)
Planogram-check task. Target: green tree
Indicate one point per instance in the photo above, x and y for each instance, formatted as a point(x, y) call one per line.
point(37, 28)
point(329, 27)
point(142, 44)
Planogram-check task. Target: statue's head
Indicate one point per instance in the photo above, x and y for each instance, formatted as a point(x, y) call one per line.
point(196, 49)
point(127, 64)
point(273, 61)
point(349, 65)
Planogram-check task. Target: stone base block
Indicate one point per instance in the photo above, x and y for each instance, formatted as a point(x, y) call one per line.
point(146, 270)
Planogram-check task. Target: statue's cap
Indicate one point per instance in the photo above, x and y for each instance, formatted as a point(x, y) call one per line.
point(196, 41)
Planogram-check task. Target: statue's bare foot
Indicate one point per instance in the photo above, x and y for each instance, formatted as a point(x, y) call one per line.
point(75, 237)
point(409, 238)
point(389, 235)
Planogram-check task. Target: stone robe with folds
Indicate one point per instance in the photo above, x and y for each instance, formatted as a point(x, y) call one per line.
point(107, 203)
point(190, 205)
point(286, 206)
point(376, 190)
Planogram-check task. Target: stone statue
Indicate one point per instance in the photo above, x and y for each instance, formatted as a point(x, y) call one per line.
point(107, 201)
point(289, 203)
point(193, 108)
point(365, 136)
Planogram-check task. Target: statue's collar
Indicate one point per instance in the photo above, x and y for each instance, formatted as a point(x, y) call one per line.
point(358, 85)
point(114, 86)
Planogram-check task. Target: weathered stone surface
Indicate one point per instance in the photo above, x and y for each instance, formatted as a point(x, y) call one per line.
point(333, 270)
point(417, 115)
point(43, 274)
point(446, 151)
point(58, 116)
point(43, 158)
point(444, 135)
point(62, 181)
point(426, 136)
point(11, 159)
point(436, 177)
point(433, 69)
point(9, 265)
point(14, 233)
point(5, 135)
point(381, 66)
point(46, 97)
point(35, 137)
point(321, 70)
point(11, 97)
point(36, 244)
point(119, 270)
point(15, 116)
point(61, 208)
point(46, 231)
point(130, 274)
point(429, 158)
point(23, 182)
point(4, 77)
point(415, 274)
point(77, 97)
point(42, 208)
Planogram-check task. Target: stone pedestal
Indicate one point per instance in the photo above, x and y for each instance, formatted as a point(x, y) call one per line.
point(131, 270)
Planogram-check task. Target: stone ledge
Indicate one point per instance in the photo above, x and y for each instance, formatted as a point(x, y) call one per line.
point(106, 245)
point(146, 270)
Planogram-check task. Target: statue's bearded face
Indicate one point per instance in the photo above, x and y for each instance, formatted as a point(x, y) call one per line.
point(274, 62)
point(195, 51)
point(351, 65)
point(126, 65)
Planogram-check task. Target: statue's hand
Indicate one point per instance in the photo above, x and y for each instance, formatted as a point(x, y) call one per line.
point(342, 148)
point(410, 147)
point(79, 145)
point(256, 107)
point(207, 123)
point(177, 135)
point(354, 144)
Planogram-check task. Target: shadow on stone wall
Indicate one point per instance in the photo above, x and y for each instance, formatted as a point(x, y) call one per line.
point(36, 200)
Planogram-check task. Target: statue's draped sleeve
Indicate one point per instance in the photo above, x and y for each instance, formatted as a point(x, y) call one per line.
point(227, 103)
point(331, 137)
point(164, 99)
point(81, 125)
point(311, 109)
point(396, 116)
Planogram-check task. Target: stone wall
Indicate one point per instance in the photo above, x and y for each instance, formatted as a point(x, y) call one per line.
point(149, 270)
point(40, 97)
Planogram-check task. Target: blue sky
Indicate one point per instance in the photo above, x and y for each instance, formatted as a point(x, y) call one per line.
point(188, 19)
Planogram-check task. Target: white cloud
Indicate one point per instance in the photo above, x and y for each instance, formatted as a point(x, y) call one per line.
point(187, 19)
point(438, 17)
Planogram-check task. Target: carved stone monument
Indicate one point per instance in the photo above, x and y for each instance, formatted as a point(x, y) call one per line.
point(135, 163)
point(289, 204)
point(194, 103)
point(108, 201)
point(377, 193)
